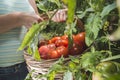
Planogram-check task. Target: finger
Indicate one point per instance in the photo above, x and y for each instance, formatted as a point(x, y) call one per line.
point(64, 16)
point(58, 16)
point(53, 18)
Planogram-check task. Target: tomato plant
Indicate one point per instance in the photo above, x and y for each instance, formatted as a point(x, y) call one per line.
point(99, 23)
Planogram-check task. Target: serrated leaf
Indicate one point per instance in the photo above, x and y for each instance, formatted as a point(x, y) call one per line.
point(74, 59)
point(83, 13)
point(107, 9)
point(80, 75)
point(89, 60)
point(92, 27)
point(56, 67)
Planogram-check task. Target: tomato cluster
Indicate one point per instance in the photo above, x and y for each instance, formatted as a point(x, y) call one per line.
point(58, 46)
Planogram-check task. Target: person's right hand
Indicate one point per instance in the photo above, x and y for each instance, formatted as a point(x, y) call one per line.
point(27, 19)
point(60, 16)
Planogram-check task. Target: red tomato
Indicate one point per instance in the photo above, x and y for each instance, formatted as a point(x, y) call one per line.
point(58, 52)
point(43, 50)
point(65, 37)
point(62, 51)
point(51, 46)
point(76, 49)
point(42, 42)
point(79, 38)
point(54, 39)
point(53, 54)
point(61, 42)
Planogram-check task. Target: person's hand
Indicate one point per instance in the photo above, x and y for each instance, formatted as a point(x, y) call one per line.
point(60, 16)
point(28, 19)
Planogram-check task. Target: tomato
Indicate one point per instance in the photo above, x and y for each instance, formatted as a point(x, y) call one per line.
point(108, 70)
point(61, 42)
point(42, 42)
point(58, 52)
point(62, 51)
point(54, 39)
point(76, 49)
point(43, 50)
point(51, 46)
point(53, 54)
point(79, 38)
point(65, 37)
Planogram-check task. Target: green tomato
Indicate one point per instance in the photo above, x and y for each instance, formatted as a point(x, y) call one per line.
point(107, 71)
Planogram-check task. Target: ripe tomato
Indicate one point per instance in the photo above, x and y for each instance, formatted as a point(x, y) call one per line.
point(51, 46)
point(62, 51)
point(76, 49)
point(54, 39)
point(79, 38)
point(43, 51)
point(61, 42)
point(53, 54)
point(58, 52)
point(65, 37)
point(42, 42)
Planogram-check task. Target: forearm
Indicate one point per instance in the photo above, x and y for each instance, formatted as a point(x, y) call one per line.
point(8, 22)
point(33, 4)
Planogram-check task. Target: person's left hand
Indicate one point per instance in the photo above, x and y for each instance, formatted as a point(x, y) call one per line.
point(60, 16)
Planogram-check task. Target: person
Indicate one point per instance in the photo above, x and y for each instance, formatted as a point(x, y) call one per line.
point(16, 17)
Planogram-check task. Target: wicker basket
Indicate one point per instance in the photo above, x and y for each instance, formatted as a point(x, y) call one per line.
point(40, 67)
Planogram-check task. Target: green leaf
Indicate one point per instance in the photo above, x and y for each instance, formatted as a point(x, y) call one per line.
point(74, 59)
point(56, 67)
point(72, 65)
point(107, 9)
point(42, 7)
point(92, 27)
point(68, 76)
point(51, 76)
point(29, 50)
point(97, 5)
point(89, 60)
point(80, 75)
point(29, 36)
point(36, 54)
point(57, 2)
point(82, 14)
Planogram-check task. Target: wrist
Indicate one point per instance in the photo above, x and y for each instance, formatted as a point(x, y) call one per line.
point(18, 18)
